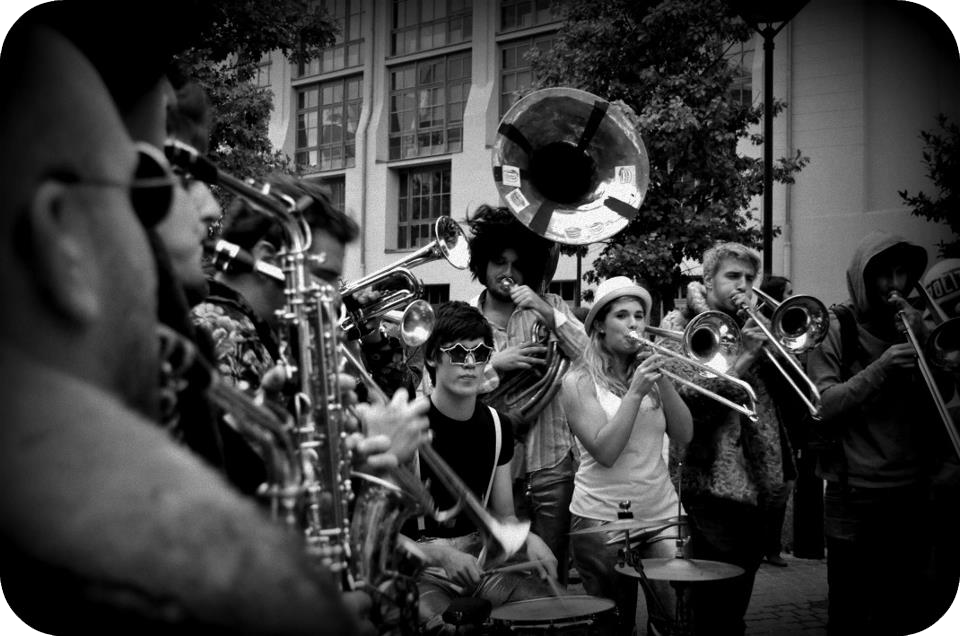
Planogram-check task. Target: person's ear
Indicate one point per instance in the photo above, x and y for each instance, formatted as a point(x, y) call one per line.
point(708, 283)
point(62, 252)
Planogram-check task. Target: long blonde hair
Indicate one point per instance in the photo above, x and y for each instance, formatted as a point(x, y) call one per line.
point(600, 365)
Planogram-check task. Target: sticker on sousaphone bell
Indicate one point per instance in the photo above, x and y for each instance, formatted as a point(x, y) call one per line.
point(626, 175)
point(511, 176)
point(516, 200)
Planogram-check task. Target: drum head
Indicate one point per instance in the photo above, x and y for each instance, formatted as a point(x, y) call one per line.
point(537, 610)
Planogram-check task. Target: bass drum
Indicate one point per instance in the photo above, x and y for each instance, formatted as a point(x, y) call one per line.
point(579, 615)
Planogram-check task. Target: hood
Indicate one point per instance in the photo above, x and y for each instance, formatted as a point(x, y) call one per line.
point(869, 248)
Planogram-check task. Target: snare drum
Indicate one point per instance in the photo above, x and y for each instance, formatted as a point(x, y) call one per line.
point(578, 615)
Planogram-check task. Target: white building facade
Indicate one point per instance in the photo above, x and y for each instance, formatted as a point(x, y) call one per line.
point(400, 115)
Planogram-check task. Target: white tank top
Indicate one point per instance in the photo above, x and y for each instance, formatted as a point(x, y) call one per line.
point(639, 475)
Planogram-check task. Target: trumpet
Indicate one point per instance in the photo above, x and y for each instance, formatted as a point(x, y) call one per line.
point(711, 343)
point(941, 348)
point(799, 323)
point(450, 244)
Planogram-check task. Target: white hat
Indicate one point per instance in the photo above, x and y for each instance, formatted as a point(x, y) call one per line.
point(611, 289)
point(942, 281)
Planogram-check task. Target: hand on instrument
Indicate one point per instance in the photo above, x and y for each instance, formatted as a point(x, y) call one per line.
point(899, 356)
point(525, 298)
point(752, 337)
point(646, 375)
point(539, 552)
point(371, 454)
point(461, 567)
point(404, 422)
point(521, 356)
point(359, 604)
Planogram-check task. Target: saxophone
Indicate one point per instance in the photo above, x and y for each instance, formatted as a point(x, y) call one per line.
point(355, 537)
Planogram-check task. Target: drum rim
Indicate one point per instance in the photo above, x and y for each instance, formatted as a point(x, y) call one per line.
point(604, 605)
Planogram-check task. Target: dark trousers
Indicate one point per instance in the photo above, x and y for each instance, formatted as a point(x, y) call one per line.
point(729, 532)
point(544, 498)
point(878, 560)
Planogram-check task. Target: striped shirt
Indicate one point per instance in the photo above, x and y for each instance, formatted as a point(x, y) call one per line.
point(549, 439)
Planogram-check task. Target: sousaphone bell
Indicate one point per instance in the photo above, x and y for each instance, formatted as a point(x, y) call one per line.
point(570, 166)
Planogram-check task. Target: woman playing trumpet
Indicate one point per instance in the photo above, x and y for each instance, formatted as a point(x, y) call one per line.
point(619, 406)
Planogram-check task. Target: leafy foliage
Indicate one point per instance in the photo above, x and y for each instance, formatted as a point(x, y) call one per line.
point(666, 61)
point(941, 156)
point(236, 35)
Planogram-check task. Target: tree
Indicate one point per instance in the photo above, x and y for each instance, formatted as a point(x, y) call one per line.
point(941, 156)
point(234, 36)
point(666, 60)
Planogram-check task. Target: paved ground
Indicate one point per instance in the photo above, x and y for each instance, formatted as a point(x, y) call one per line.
point(790, 600)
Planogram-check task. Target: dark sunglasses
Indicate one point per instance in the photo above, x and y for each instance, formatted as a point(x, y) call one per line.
point(462, 356)
point(151, 189)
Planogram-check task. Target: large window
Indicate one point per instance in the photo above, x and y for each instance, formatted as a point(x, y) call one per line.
point(421, 25)
point(516, 75)
point(345, 52)
point(338, 191)
point(424, 197)
point(740, 57)
point(521, 14)
point(427, 99)
point(566, 289)
point(436, 294)
point(327, 116)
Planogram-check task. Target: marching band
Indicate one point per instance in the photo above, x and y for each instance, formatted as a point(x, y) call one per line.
point(329, 456)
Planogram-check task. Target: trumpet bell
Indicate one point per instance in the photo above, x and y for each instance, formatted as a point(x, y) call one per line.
point(452, 242)
point(713, 339)
point(800, 323)
point(416, 323)
point(571, 166)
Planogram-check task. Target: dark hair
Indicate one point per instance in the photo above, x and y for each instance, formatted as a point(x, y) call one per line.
point(495, 230)
point(189, 116)
point(456, 320)
point(245, 226)
point(775, 286)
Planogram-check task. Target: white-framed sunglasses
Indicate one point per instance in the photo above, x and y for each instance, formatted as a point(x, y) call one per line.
point(462, 356)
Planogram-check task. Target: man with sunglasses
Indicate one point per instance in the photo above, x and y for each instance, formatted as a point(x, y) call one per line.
point(477, 442)
point(107, 526)
point(512, 262)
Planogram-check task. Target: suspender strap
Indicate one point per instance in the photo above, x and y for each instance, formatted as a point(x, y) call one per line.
point(498, 437)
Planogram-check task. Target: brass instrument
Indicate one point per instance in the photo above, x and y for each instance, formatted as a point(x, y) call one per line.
point(572, 168)
point(941, 349)
point(570, 165)
point(798, 323)
point(524, 393)
point(711, 344)
point(310, 318)
point(450, 244)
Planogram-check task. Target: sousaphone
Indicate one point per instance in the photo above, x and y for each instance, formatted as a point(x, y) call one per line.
point(572, 168)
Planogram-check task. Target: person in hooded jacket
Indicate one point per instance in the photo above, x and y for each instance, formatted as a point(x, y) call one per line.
point(879, 412)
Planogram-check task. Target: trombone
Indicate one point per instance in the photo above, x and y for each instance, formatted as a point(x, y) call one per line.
point(711, 343)
point(799, 323)
point(941, 348)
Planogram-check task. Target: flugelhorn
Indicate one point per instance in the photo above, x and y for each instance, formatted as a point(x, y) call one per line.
point(798, 323)
point(450, 243)
point(942, 347)
point(711, 342)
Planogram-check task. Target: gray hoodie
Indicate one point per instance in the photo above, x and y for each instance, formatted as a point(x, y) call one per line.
point(884, 418)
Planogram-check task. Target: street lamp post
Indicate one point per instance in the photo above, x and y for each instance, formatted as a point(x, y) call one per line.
point(767, 19)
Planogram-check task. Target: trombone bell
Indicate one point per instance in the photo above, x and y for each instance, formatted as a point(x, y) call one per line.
point(800, 323)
